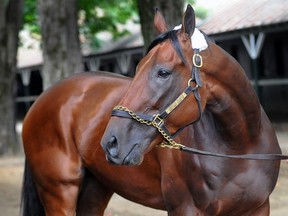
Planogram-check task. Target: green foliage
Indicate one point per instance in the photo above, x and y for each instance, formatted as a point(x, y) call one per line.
point(30, 18)
point(200, 12)
point(192, 2)
point(96, 16)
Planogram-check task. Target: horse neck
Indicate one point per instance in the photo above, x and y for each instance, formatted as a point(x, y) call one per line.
point(231, 98)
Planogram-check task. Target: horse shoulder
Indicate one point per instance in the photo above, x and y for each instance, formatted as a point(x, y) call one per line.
point(65, 106)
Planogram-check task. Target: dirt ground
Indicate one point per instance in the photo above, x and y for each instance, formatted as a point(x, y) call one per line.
point(11, 171)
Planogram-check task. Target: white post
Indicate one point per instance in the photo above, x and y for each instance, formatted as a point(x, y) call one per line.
point(25, 76)
point(123, 61)
point(254, 47)
point(93, 64)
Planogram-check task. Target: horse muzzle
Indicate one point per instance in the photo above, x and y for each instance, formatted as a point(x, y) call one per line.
point(114, 155)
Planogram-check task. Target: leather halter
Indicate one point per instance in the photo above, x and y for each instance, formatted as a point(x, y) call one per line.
point(157, 120)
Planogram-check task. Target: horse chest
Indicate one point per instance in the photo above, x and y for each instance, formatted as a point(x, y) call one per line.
point(234, 189)
point(213, 186)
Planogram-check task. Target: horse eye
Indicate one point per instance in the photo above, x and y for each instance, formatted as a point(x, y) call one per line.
point(163, 73)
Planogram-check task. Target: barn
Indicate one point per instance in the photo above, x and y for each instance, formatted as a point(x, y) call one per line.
point(255, 33)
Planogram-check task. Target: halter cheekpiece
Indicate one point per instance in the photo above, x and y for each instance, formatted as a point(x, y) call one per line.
point(157, 120)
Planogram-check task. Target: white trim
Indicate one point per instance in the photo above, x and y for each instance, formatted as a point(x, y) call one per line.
point(93, 64)
point(123, 61)
point(271, 82)
point(25, 76)
point(253, 48)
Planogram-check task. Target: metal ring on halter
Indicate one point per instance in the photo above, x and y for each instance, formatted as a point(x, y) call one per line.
point(196, 55)
point(190, 80)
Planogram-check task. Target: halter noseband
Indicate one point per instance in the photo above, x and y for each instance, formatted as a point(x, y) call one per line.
point(157, 120)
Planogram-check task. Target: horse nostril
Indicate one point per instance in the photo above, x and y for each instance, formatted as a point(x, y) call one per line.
point(112, 146)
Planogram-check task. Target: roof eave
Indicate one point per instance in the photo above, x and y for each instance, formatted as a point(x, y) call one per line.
point(275, 27)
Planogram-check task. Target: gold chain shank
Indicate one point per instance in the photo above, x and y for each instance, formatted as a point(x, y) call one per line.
point(157, 121)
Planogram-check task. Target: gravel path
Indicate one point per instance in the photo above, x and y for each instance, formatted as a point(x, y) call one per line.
point(11, 171)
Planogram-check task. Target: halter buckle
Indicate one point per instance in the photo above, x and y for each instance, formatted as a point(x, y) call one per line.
point(197, 62)
point(157, 120)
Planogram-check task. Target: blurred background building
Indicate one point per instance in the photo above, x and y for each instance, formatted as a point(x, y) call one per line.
point(255, 33)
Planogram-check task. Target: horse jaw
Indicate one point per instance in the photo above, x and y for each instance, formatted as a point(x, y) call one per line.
point(129, 148)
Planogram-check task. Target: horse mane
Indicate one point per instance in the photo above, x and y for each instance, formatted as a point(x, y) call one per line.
point(207, 38)
point(159, 39)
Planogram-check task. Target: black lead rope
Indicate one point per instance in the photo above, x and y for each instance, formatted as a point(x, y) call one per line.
point(245, 156)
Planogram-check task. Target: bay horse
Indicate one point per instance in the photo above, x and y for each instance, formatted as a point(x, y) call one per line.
point(67, 171)
point(194, 86)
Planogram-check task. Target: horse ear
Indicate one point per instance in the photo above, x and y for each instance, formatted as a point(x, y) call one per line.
point(188, 21)
point(159, 22)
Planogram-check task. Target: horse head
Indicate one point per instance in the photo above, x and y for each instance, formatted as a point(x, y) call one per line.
point(165, 96)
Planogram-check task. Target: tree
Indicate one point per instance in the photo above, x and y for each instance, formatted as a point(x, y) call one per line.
point(172, 11)
point(62, 55)
point(10, 23)
point(60, 41)
point(94, 16)
point(59, 30)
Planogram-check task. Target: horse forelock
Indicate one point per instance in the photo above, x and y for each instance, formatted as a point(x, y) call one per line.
point(172, 36)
